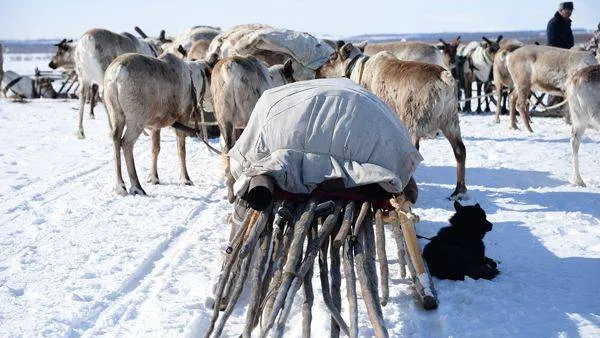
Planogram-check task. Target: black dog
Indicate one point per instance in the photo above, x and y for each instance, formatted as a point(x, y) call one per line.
point(458, 250)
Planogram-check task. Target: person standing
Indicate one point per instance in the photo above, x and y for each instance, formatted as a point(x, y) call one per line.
point(560, 35)
point(559, 31)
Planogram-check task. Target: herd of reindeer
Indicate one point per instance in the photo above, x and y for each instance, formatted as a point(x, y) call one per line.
point(156, 82)
point(206, 77)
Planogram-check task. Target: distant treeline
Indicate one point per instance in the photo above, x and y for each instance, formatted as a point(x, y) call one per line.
point(581, 35)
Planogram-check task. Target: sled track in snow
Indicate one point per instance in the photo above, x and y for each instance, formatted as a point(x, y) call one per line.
point(150, 275)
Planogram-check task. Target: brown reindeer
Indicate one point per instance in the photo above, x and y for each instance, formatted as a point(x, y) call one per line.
point(545, 69)
point(423, 95)
point(146, 92)
point(237, 84)
point(449, 54)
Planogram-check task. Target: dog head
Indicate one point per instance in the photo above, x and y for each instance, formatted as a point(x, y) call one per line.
point(471, 221)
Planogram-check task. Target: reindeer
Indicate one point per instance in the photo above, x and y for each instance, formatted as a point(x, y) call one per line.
point(449, 54)
point(583, 95)
point(190, 36)
point(479, 59)
point(237, 84)
point(503, 80)
point(146, 92)
point(198, 50)
point(92, 54)
point(423, 95)
point(408, 51)
point(545, 69)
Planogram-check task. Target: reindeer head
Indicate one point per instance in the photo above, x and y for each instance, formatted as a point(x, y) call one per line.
point(339, 60)
point(282, 74)
point(491, 47)
point(449, 51)
point(64, 54)
point(158, 44)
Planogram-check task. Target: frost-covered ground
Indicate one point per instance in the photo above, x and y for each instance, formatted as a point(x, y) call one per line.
point(77, 260)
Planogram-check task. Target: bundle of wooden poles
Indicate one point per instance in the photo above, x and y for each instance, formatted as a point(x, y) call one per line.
point(273, 250)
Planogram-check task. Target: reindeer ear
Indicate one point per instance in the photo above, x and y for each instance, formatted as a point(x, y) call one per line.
point(345, 51)
point(140, 32)
point(486, 39)
point(288, 69)
point(339, 44)
point(477, 206)
point(362, 45)
point(182, 50)
point(457, 206)
point(442, 41)
point(458, 40)
point(499, 38)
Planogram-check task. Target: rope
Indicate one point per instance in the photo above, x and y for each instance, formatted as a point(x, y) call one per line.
point(478, 97)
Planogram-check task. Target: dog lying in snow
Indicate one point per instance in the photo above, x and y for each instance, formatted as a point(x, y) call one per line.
point(458, 250)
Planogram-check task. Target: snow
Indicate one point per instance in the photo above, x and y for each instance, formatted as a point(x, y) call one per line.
point(77, 260)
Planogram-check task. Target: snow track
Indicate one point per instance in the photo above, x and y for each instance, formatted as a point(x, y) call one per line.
point(78, 261)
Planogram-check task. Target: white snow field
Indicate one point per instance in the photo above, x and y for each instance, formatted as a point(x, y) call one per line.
point(76, 260)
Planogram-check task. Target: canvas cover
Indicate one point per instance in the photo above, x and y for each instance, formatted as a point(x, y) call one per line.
point(308, 132)
point(24, 87)
point(247, 39)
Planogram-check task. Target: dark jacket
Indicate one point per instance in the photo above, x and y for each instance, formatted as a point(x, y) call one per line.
point(559, 32)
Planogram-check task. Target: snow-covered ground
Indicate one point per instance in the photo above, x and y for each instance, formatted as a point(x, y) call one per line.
point(77, 260)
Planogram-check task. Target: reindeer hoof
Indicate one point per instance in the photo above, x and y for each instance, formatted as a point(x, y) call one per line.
point(578, 182)
point(459, 195)
point(120, 189)
point(153, 179)
point(92, 117)
point(496, 120)
point(80, 135)
point(186, 182)
point(137, 191)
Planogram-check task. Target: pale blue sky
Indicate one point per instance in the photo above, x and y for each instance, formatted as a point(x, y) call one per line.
point(31, 19)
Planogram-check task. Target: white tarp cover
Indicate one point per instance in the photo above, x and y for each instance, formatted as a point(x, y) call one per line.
point(25, 87)
point(303, 47)
point(308, 132)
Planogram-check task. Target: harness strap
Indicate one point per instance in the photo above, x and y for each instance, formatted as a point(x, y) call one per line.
point(11, 84)
point(194, 113)
point(351, 65)
point(359, 58)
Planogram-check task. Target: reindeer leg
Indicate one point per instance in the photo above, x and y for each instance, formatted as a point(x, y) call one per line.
point(478, 84)
point(499, 107)
point(523, 107)
point(127, 142)
point(576, 135)
point(486, 90)
point(80, 133)
point(153, 176)
point(227, 135)
point(117, 132)
point(468, 91)
point(93, 92)
point(452, 133)
point(512, 106)
point(184, 178)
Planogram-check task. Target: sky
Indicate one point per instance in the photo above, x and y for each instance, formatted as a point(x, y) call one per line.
point(37, 19)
